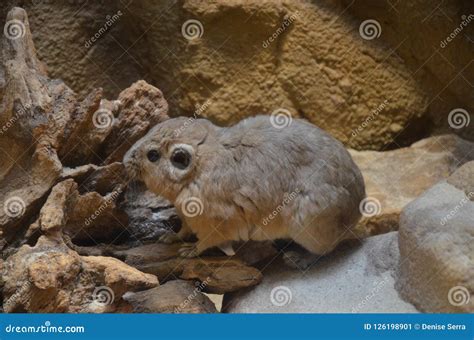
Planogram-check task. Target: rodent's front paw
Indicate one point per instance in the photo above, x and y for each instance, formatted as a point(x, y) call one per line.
point(169, 238)
point(188, 250)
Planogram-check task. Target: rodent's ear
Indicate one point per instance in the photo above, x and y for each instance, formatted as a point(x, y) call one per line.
point(182, 156)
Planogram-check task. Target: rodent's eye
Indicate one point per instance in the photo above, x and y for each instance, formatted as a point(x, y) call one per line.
point(153, 156)
point(181, 158)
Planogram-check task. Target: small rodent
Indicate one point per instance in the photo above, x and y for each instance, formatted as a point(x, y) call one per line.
point(251, 181)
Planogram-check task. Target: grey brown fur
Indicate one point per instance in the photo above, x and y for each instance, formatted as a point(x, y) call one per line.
point(255, 182)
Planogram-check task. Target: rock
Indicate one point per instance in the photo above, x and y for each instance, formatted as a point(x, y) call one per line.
point(140, 107)
point(90, 124)
point(150, 216)
point(437, 246)
point(96, 218)
point(395, 178)
point(440, 58)
point(33, 112)
point(50, 277)
point(365, 92)
point(104, 179)
point(353, 279)
point(43, 126)
point(221, 274)
point(175, 296)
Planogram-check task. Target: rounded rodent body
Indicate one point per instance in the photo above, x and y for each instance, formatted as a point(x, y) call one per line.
point(252, 181)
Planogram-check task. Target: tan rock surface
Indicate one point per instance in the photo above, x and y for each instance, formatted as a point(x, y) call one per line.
point(50, 277)
point(395, 178)
point(317, 65)
point(176, 296)
point(436, 270)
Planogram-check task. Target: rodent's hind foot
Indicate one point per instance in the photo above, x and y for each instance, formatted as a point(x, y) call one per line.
point(188, 250)
point(169, 237)
point(301, 260)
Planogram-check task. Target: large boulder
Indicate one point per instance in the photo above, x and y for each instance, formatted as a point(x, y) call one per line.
point(305, 58)
point(437, 246)
point(395, 178)
point(436, 42)
point(353, 279)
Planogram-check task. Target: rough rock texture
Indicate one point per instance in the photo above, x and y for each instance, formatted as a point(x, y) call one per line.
point(45, 207)
point(420, 33)
point(354, 279)
point(437, 246)
point(220, 274)
point(176, 296)
point(43, 126)
point(50, 277)
point(395, 178)
point(150, 216)
point(316, 65)
point(33, 111)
